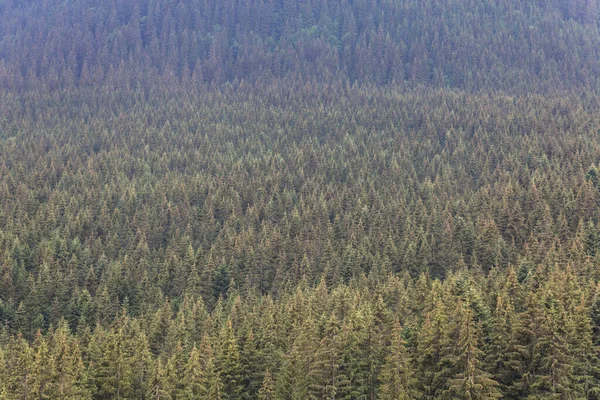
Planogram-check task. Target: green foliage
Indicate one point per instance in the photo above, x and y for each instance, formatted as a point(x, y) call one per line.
point(229, 362)
point(470, 381)
point(398, 381)
point(267, 390)
point(299, 199)
point(473, 44)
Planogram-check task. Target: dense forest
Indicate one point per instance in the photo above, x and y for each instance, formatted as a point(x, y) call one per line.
point(469, 44)
point(299, 199)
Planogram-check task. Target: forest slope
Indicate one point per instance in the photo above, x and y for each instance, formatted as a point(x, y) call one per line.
point(470, 44)
point(299, 199)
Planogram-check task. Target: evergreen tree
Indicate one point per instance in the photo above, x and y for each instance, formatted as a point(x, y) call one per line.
point(229, 363)
point(69, 379)
point(194, 379)
point(397, 377)
point(251, 362)
point(19, 366)
point(267, 390)
point(586, 367)
point(42, 369)
point(3, 376)
point(328, 370)
point(552, 357)
point(432, 350)
point(297, 372)
point(159, 386)
point(470, 381)
point(498, 358)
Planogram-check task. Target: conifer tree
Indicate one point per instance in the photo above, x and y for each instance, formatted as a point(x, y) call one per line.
point(520, 351)
point(202, 378)
point(112, 371)
point(159, 387)
point(69, 380)
point(215, 388)
point(297, 372)
point(552, 358)
point(3, 376)
point(229, 363)
point(251, 362)
point(586, 367)
point(397, 376)
point(19, 366)
point(193, 380)
point(42, 368)
point(497, 360)
point(176, 371)
point(138, 357)
point(330, 381)
point(267, 390)
point(470, 381)
point(358, 356)
point(432, 349)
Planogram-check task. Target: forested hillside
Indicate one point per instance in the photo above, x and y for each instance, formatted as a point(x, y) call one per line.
point(470, 44)
point(360, 200)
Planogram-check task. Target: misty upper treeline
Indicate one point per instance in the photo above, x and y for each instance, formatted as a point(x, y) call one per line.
point(359, 200)
point(469, 44)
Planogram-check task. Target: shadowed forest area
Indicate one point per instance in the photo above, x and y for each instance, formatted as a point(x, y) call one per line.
point(299, 199)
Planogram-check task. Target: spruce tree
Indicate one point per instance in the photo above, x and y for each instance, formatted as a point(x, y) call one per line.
point(20, 382)
point(69, 380)
point(3, 375)
point(251, 362)
point(229, 363)
point(497, 360)
point(297, 372)
point(267, 390)
point(159, 387)
point(470, 381)
point(433, 345)
point(194, 379)
point(518, 363)
point(328, 370)
point(587, 363)
point(397, 377)
point(552, 358)
point(42, 372)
